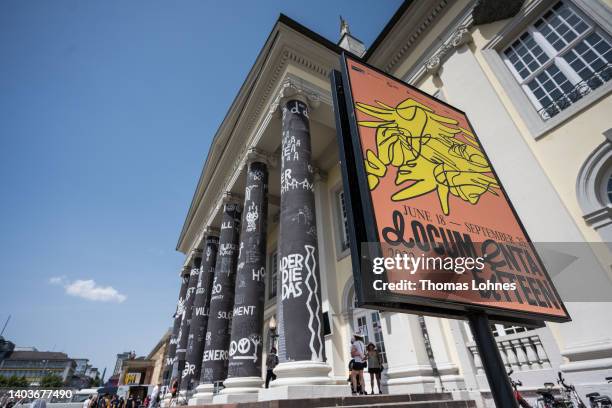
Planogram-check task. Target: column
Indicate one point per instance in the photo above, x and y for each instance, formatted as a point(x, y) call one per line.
point(216, 342)
point(178, 314)
point(302, 370)
point(408, 367)
point(245, 349)
point(181, 348)
point(199, 318)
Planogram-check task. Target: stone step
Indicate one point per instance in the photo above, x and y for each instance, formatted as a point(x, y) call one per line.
point(426, 400)
point(415, 404)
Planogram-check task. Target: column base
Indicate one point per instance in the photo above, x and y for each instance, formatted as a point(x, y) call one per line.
point(302, 373)
point(410, 380)
point(241, 385)
point(234, 398)
point(303, 391)
point(203, 395)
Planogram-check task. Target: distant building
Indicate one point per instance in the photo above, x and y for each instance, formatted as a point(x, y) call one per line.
point(34, 365)
point(158, 356)
point(146, 370)
point(81, 365)
point(6, 348)
point(120, 358)
point(92, 372)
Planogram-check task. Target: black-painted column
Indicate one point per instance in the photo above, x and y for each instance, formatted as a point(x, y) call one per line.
point(181, 347)
point(215, 357)
point(299, 304)
point(247, 322)
point(178, 314)
point(199, 317)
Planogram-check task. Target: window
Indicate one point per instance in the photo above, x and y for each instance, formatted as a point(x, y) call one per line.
point(559, 59)
point(378, 337)
point(343, 226)
point(273, 275)
point(609, 189)
point(506, 330)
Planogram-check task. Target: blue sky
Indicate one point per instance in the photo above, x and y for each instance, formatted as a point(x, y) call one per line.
point(107, 109)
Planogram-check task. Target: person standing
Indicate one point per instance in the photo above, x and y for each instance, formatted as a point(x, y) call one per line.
point(358, 355)
point(374, 366)
point(271, 362)
point(87, 402)
point(155, 396)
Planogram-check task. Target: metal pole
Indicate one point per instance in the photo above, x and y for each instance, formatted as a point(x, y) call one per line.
point(491, 361)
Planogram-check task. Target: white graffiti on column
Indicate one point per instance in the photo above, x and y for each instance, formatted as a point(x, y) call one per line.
point(216, 287)
point(208, 337)
point(231, 207)
point(290, 145)
point(304, 215)
point(258, 274)
point(247, 191)
point(257, 175)
point(180, 308)
point(311, 264)
point(251, 217)
point(188, 370)
point(295, 109)
point(243, 346)
point(288, 182)
point(291, 267)
point(227, 249)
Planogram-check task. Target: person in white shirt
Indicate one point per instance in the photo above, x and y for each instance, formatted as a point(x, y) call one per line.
point(87, 402)
point(358, 355)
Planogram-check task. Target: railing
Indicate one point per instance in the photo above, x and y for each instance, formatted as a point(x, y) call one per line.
point(520, 354)
point(599, 77)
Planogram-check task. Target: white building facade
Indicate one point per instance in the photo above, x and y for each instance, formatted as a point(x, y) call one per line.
point(534, 79)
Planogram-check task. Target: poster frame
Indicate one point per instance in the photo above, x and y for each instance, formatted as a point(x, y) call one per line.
point(359, 208)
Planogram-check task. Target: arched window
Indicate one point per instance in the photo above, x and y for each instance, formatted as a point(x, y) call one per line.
point(594, 188)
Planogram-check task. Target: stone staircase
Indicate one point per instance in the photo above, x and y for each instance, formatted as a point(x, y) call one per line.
point(430, 400)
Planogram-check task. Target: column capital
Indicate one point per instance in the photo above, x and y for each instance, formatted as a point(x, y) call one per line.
point(460, 37)
point(186, 270)
point(257, 155)
point(231, 198)
point(210, 230)
point(319, 175)
point(295, 89)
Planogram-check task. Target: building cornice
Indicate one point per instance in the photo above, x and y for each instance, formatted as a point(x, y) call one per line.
point(249, 114)
point(407, 31)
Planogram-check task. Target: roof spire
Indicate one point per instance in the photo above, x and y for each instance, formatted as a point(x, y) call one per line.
point(344, 27)
point(348, 42)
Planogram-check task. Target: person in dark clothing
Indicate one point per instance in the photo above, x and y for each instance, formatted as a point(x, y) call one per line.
point(271, 362)
point(130, 402)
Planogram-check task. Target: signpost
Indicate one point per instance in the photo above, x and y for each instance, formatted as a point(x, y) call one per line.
point(432, 230)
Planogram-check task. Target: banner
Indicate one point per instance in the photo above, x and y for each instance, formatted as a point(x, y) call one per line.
point(431, 227)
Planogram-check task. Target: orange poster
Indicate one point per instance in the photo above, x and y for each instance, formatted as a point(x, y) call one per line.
point(432, 194)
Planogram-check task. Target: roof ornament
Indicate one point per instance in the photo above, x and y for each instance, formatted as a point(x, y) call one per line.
point(344, 27)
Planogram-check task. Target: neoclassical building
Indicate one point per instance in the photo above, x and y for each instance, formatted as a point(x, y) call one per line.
point(265, 238)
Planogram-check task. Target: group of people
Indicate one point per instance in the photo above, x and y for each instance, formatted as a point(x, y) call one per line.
point(363, 356)
point(114, 401)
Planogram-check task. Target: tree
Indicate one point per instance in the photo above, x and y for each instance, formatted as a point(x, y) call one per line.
point(96, 382)
point(14, 381)
point(51, 381)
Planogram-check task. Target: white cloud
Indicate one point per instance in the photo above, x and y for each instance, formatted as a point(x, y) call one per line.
point(88, 289)
point(57, 280)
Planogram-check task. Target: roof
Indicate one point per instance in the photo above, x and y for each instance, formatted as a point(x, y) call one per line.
point(38, 355)
point(239, 102)
point(387, 29)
